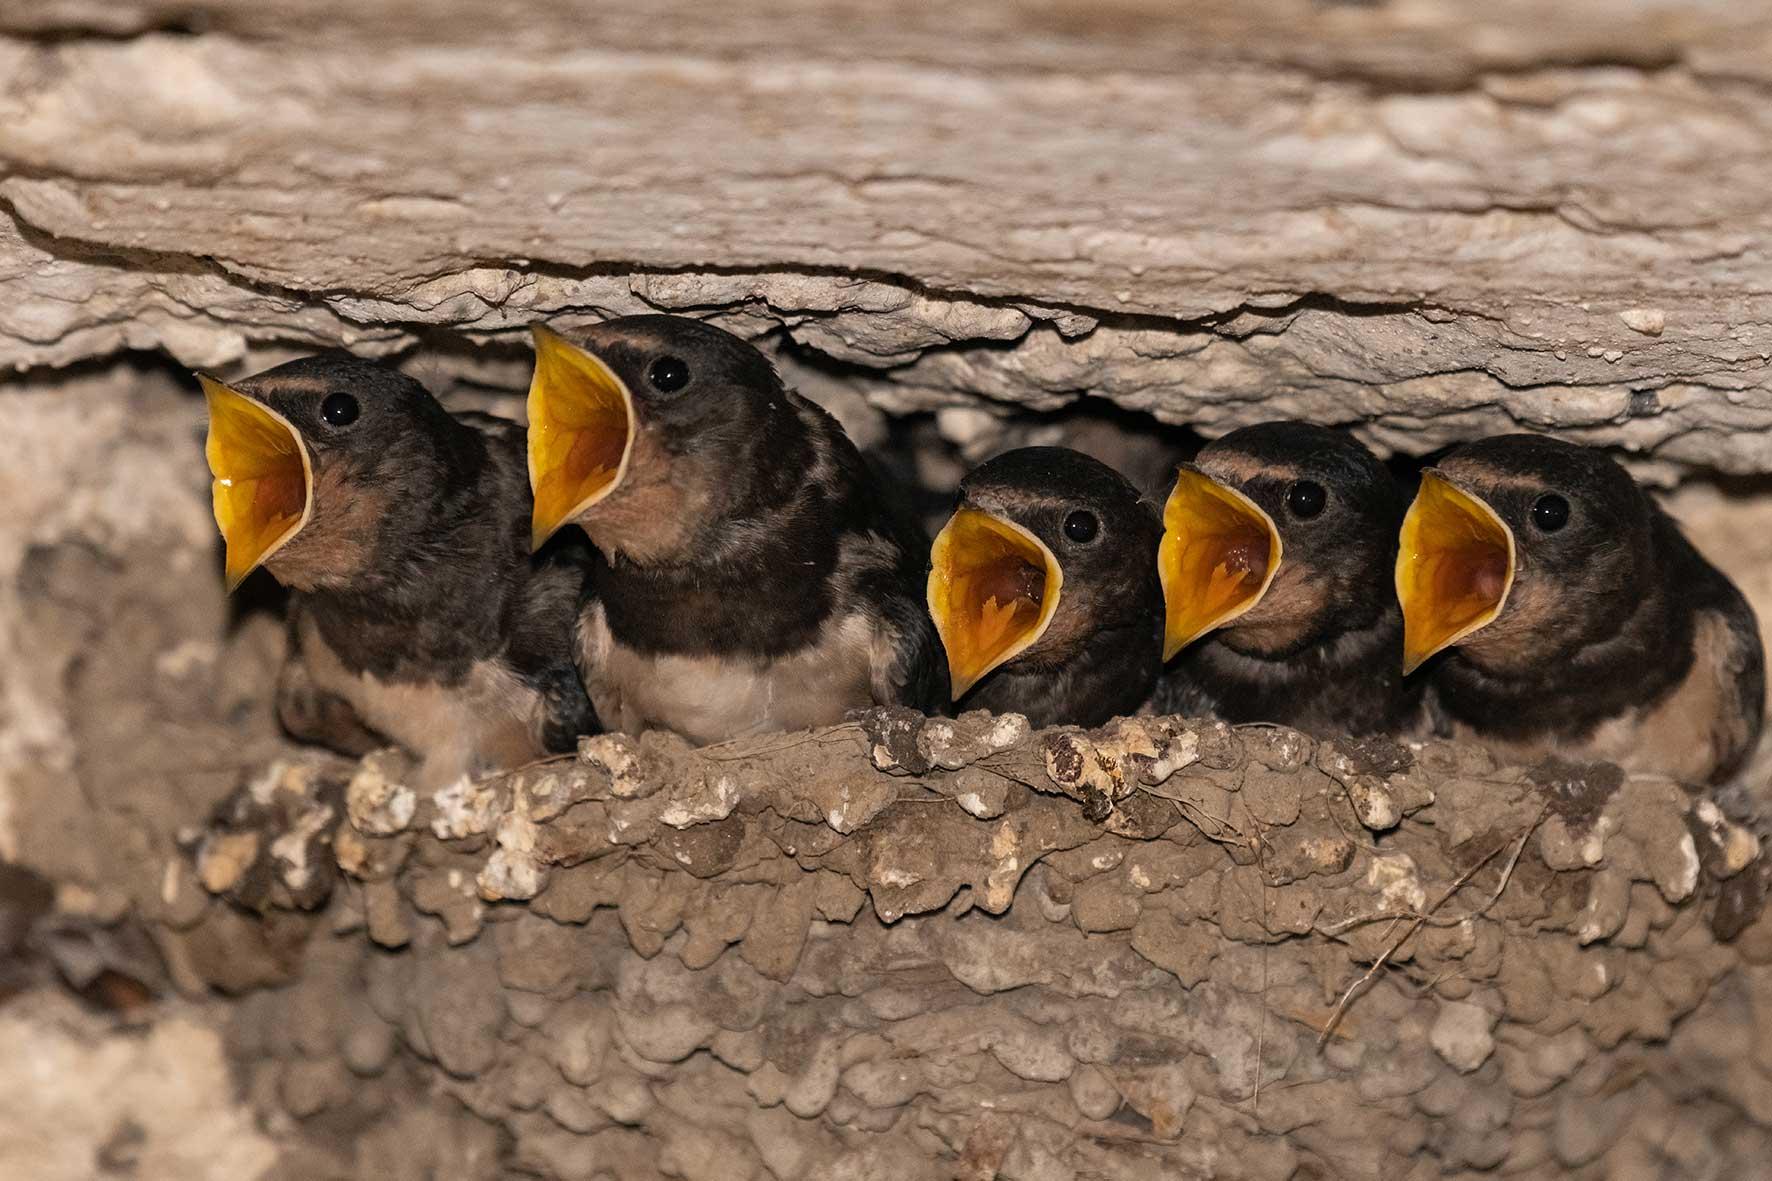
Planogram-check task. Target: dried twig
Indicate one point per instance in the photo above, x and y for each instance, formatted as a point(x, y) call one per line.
point(1001, 774)
point(1223, 826)
point(548, 761)
point(1427, 917)
point(1365, 981)
point(829, 734)
point(1360, 839)
point(1266, 947)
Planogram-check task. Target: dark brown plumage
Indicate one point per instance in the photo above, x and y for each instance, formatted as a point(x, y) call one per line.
point(1084, 639)
point(756, 577)
point(418, 614)
point(1616, 640)
point(1321, 648)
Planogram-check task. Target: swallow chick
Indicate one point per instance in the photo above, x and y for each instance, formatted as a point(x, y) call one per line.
point(1043, 589)
point(1574, 616)
point(417, 615)
point(755, 577)
point(1276, 559)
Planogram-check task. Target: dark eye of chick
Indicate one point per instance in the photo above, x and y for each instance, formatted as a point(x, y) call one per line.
point(1306, 498)
point(668, 374)
point(339, 410)
point(1081, 526)
point(1550, 513)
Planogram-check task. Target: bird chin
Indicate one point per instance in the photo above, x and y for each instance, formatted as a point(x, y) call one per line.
point(581, 432)
point(993, 589)
point(1455, 568)
point(263, 489)
point(1218, 557)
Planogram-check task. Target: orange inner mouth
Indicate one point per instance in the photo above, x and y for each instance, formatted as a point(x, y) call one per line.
point(581, 428)
point(993, 587)
point(1218, 556)
point(263, 484)
point(1455, 567)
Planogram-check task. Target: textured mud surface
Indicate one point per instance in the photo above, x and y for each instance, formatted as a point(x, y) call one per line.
point(911, 948)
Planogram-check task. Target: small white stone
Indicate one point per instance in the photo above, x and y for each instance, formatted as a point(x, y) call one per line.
point(1593, 850)
point(291, 849)
point(1373, 803)
point(1462, 1035)
point(463, 810)
point(714, 803)
point(376, 804)
point(1094, 1093)
point(1398, 882)
point(1686, 881)
point(1648, 321)
point(512, 871)
point(1008, 731)
point(973, 803)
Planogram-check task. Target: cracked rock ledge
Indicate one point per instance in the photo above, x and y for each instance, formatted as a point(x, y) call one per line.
point(907, 947)
point(1426, 220)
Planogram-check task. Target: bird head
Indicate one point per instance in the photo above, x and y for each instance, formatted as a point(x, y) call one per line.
point(1046, 548)
point(1516, 548)
point(1272, 535)
point(646, 430)
point(310, 459)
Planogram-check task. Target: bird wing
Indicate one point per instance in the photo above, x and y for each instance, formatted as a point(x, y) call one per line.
point(907, 663)
point(1741, 672)
point(540, 628)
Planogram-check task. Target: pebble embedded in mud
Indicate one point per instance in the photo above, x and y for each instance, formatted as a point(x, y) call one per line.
point(1462, 1035)
point(377, 799)
point(1094, 1093)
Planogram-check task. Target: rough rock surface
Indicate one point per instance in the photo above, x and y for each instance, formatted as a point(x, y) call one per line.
point(82, 1097)
point(1426, 218)
point(954, 948)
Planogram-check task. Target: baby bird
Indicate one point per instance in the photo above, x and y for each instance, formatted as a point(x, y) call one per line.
point(1045, 592)
point(755, 577)
point(418, 615)
point(1278, 546)
point(1578, 618)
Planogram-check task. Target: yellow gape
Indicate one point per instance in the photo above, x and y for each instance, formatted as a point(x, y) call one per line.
point(1455, 567)
point(264, 483)
point(581, 432)
point(1218, 557)
point(993, 587)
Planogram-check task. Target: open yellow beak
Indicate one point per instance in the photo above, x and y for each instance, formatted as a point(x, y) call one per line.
point(264, 482)
point(1455, 567)
point(581, 432)
point(1219, 553)
point(993, 587)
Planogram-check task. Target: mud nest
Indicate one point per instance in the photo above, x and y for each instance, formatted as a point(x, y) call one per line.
point(908, 947)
